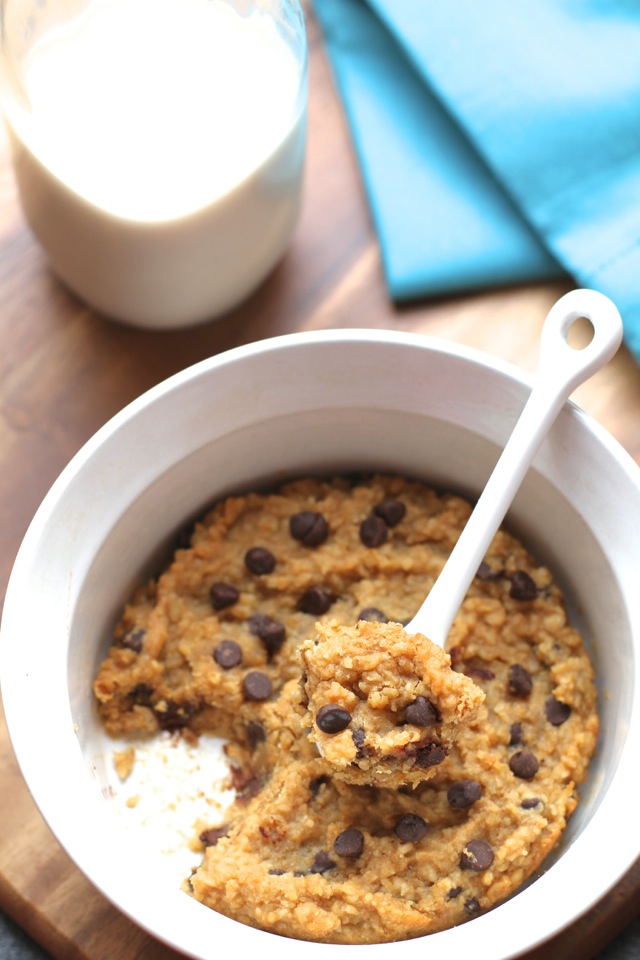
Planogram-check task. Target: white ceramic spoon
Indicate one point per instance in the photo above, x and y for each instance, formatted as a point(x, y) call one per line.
point(561, 369)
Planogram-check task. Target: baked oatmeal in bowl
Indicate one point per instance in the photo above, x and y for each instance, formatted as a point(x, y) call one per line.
point(254, 767)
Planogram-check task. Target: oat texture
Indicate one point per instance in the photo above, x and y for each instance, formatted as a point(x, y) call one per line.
point(215, 644)
point(382, 705)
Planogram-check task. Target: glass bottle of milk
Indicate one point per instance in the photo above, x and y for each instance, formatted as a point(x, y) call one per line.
point(158, 146)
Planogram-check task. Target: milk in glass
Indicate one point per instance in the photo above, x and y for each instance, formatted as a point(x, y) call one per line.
point(158, 149)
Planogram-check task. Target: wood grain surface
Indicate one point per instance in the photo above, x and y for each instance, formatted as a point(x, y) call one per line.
point(64, 371)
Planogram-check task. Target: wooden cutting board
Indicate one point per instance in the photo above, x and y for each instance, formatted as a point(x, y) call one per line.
point(64, 371)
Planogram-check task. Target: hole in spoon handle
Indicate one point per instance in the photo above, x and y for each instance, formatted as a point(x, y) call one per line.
point(562, 362)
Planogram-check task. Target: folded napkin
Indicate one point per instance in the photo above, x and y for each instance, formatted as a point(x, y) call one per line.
point(499, 142)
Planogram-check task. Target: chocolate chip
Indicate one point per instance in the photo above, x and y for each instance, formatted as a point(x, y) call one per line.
point(471, 906)
point(332, 718)
point(421, 713)
point(478, 671)
point(463, 793)
point(390, 510)
point(228, 654)
point(516, 736)
point(276, 872)
point(522, 586)
point(530, 803)
point(520, 683)
point(310, 528)
point(171, 715)
point(270, 631)
point(349, 844)
point(557, 712)
point(133, 640)
point(454, 892)
point(524, 764)
point(223, 595)
point(142, 694)
point(410, 828)
point(258, 622)
point(359, 736)
point(373, 531)
point(431, 755)
point(255, 734)
point(322, 862)
point(257, 686)
point(259, 560)
point(315, 600)
point(487, 573)
point(477, 855)
point(211, 836)
point(246, 783)
point(373, 615)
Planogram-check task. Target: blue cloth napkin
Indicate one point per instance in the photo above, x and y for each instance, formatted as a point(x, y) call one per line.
point(499, 142)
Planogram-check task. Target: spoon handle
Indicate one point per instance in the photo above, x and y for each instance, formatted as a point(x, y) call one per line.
point(561, 368)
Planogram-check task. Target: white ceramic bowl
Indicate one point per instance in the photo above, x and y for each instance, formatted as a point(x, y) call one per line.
point(289, 406)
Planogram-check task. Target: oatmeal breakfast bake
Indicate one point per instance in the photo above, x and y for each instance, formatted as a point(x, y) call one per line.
point(385, 789)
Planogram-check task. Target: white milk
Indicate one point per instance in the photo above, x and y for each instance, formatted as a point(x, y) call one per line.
point(160, 160)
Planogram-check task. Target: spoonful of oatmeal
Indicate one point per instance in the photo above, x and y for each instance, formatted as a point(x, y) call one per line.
point(382, 702)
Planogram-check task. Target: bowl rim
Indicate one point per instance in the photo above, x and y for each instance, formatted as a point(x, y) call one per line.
point(21, 681)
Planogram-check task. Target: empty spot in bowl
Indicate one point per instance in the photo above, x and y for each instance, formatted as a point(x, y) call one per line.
point(171, 786)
